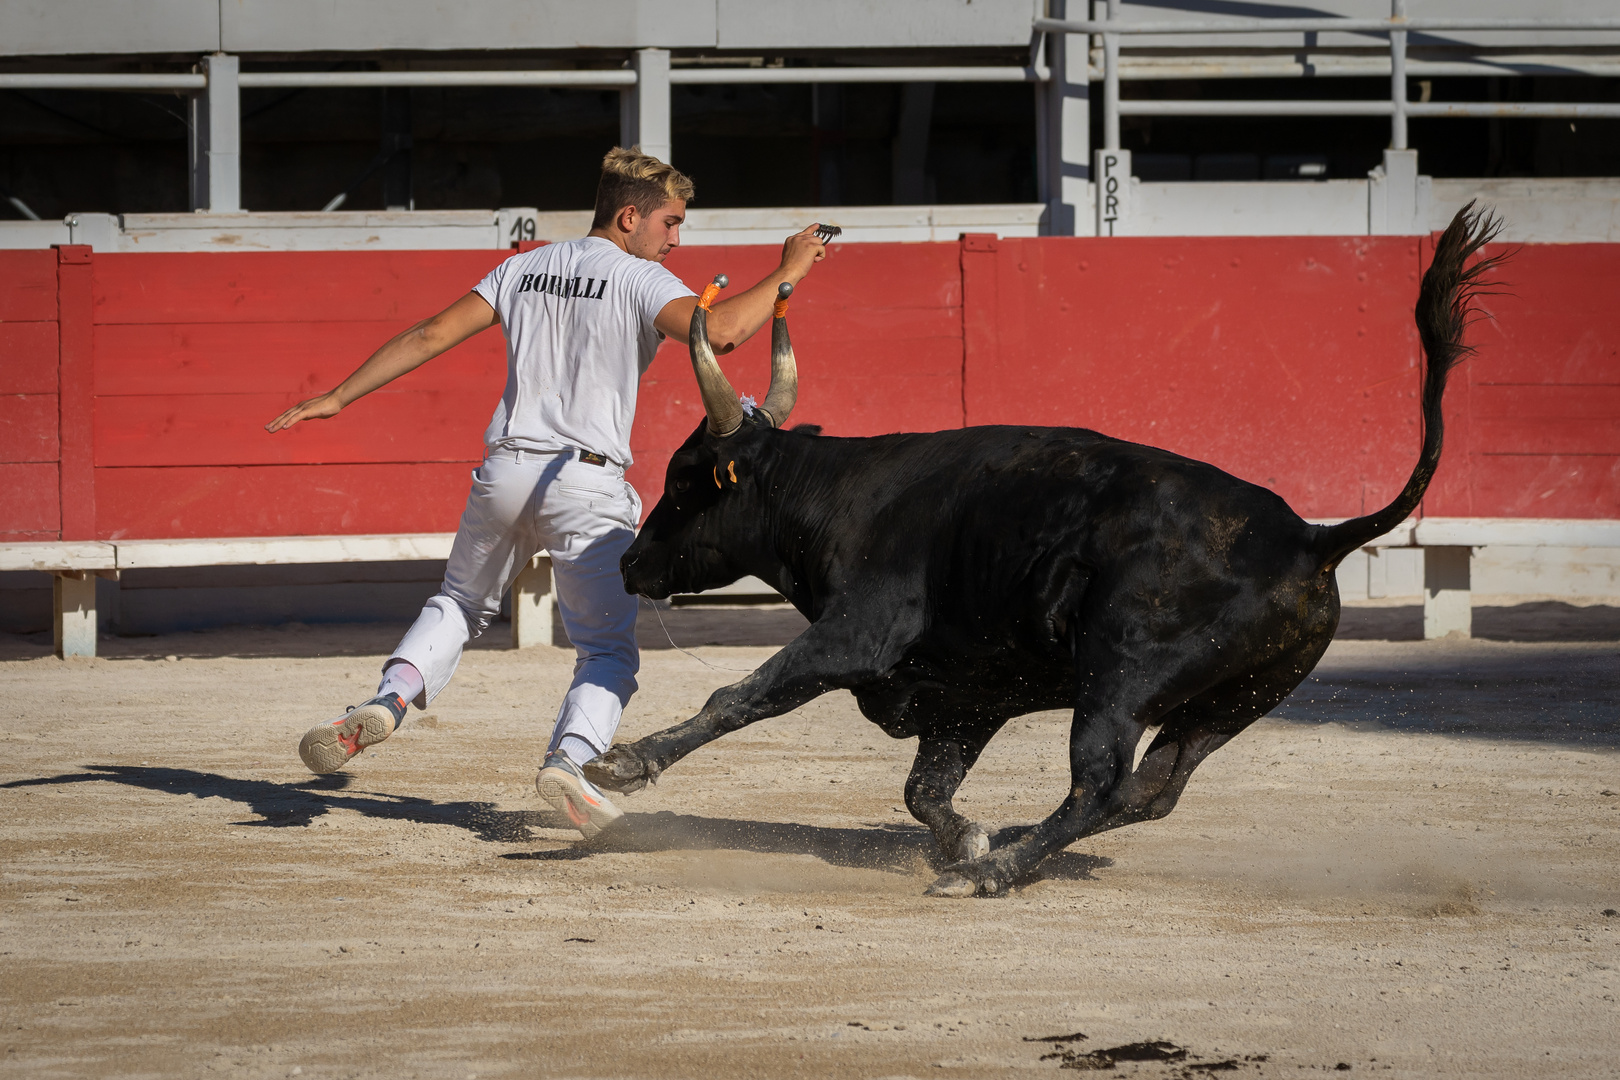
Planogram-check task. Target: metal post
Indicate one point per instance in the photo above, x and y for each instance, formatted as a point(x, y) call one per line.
point(1065, 131)
point(1397, 78)
point(1111, 82)
point(216, 137)
point(644, 108)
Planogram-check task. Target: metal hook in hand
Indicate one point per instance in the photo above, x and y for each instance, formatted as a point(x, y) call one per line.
point(827, 232)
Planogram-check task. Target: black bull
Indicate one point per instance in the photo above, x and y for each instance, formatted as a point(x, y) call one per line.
point(957, 579)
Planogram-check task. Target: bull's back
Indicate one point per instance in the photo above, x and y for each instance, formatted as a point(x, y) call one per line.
point(1022, 522)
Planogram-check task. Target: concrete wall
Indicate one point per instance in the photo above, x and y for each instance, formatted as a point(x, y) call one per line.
point(1541, 211)
point(1244, 208)
point(1537, 211)
point(1534, 211)
point(51, 27)
point(44, 27)
point(464, 230)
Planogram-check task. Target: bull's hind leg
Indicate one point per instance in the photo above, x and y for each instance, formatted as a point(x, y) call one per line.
point(1115, 706)
point(941, 765)
point(1195, 730)
point(1114, 710)
point(1126, 683)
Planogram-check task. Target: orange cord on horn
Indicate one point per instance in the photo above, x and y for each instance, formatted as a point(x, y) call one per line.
point(780, 310)
point(712, 290)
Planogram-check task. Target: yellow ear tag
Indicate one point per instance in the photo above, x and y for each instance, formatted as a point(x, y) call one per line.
point(717, 476)
point(731, 471)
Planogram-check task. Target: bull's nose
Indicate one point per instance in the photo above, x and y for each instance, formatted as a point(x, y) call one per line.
point(638, 573)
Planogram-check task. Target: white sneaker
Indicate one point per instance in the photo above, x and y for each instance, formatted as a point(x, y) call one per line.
point(562, 785)
point(328, 746)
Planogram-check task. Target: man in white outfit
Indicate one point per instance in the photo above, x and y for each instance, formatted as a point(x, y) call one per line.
point(583, 320)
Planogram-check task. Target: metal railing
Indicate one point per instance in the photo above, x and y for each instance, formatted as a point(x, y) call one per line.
point(645, 81)
point(1397, 107)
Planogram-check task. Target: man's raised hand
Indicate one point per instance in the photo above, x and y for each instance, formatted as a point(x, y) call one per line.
point(803, 250)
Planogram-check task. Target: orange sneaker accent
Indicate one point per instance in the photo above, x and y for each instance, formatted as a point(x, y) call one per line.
point(350, 743)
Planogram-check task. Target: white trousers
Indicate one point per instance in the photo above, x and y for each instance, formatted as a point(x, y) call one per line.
point(584, 516)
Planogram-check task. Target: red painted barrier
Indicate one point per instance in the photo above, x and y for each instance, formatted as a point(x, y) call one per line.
point(133, 388)
point(30, 454)
point(1291, 362)
point(195, 353)
point(1534, 427)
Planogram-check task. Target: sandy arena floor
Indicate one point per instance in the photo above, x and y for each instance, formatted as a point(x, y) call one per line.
point(1410, 870)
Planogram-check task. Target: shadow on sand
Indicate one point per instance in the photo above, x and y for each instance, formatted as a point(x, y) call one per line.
point(1567, 695)
point(888, 847)
point(898, 849)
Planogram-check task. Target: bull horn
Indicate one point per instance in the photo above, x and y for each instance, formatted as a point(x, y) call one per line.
point(784, 391)
point(719, 399)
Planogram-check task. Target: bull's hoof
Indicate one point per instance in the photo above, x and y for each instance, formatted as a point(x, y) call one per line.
point(953, 886)
point(966, 879)
point(973, 845)
point(620, 769)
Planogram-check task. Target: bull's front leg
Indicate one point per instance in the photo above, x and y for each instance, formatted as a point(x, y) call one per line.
point(941, 765)
point(804, 669)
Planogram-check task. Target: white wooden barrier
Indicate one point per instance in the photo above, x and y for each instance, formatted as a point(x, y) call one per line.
point(76, 565)
point(1447, 544)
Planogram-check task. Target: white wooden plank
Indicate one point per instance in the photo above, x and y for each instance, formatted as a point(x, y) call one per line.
point(1527, 532)
point(271, 551)
point(57, 555)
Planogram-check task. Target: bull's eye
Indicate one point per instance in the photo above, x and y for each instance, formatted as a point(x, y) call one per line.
point(683, 485)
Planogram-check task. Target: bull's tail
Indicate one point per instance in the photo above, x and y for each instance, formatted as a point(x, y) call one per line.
point(1444, 306)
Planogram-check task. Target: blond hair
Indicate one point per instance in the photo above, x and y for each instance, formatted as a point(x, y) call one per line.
point(631, 178)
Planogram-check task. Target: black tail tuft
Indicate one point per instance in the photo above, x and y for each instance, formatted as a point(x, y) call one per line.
point(1445, 307)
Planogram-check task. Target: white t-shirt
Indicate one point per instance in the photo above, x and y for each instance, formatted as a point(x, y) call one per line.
point(578, 317)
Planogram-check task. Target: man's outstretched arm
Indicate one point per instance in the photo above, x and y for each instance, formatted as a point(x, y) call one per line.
point(735, 320)
point(404, 352)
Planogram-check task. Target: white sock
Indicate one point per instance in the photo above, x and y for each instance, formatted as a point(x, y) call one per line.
point(402, 678)
point(577, 749)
